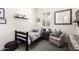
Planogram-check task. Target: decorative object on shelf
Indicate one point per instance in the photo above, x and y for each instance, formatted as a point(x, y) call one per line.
point(63, 17)
point(2, 16)
point(77, 17)
point(20, 16)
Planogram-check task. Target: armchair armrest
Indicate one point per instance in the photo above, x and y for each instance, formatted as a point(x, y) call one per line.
point(62, 35)
point(55, 38)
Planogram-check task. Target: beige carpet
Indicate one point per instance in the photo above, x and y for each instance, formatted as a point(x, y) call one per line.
point(42, 45)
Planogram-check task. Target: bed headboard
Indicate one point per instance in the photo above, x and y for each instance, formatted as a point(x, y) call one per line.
point(22, 36)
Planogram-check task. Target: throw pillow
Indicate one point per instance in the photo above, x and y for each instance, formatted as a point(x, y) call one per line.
point(52, 34)
point(35, 30)
point(60, 32)
point(57, 33)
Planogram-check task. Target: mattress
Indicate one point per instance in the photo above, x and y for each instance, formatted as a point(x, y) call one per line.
point(33, 36)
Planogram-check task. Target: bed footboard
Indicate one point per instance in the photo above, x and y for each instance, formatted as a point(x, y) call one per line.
point(22, 36)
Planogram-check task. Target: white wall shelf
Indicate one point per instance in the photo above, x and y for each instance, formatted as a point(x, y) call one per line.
point(20, 17)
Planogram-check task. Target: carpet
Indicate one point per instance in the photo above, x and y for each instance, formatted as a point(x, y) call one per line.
point(42, 45)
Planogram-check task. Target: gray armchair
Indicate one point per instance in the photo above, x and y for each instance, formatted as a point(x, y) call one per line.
point(58, 41)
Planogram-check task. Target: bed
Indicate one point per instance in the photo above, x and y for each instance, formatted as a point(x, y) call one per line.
point(27, 37)
point(33, 35)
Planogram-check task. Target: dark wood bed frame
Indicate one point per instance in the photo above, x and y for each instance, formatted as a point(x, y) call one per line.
point(23, 35)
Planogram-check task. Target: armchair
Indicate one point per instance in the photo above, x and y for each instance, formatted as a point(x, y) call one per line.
point(58, 41)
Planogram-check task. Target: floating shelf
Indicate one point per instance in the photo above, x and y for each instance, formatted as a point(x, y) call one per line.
point(20, 17)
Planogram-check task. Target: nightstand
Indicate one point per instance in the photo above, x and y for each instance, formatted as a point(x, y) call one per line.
point(45, 35)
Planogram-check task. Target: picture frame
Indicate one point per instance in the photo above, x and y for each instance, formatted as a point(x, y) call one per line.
point(63, 17)
point(38, 19)
point(2, 13)
point(2, 16)
point(3, 21)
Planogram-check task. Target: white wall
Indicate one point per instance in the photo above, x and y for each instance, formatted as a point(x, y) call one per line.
point(7, 31)
point(66, 28)
point(26, 24)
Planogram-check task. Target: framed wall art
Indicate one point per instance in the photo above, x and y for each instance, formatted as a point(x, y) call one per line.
point(2, 16)
point(2, 13)
point(63, 17)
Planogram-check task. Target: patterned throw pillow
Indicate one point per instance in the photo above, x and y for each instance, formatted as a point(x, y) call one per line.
point(35, 30)
point(57, 33)
point(52, 34)
point(60, 32)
